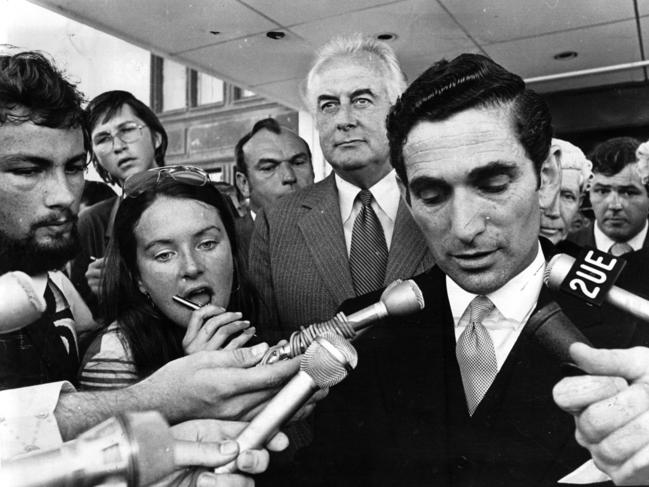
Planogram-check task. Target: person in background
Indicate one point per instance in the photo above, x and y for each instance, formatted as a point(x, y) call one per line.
point(94, 192)
point(576, 173)
point(173, 236)
point(351, 232)
point(271, 161)
point(619, 199)
point(126, 138)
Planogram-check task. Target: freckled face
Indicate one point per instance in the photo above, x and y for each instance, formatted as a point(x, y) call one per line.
point(183, 249)
point(474, 194)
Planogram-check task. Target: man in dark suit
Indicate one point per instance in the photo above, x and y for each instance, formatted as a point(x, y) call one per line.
point(322, 245)
point(272, 162)
point(620, 200)
point(461, 393)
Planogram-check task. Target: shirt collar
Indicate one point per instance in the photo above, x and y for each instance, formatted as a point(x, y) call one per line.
point(385, 192)
point(603, 242)
point(515, 300)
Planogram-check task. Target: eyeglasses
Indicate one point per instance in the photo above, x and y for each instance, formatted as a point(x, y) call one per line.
point(139, 183)
point(128, 132)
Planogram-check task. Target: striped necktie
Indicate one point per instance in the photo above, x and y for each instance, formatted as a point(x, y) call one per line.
point(475, 354)
point(368, 256)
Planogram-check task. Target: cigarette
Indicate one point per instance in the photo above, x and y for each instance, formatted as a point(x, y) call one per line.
point(93, 258)
point(185, 302)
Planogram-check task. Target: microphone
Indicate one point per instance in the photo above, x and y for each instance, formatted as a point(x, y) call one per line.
point(326, 362)
point(554, 331)
point(136, 448)
point(400, 298)
point(591, 278)
point(20, 305)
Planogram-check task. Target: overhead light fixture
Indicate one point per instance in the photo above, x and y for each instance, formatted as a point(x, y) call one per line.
point(275, 35)
point(386, 36)
point(215, 32)
point(565, 55)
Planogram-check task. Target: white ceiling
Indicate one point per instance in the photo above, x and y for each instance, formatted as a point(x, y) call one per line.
point(522, 35)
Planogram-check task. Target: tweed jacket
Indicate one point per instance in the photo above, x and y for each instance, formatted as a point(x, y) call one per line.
point(298, 259)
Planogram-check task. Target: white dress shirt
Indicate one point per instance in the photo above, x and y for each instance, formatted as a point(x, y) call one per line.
point(513, 305)
point(385, 203)
point(603, 242)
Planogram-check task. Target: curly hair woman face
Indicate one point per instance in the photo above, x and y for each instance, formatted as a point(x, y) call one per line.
point(171, 238)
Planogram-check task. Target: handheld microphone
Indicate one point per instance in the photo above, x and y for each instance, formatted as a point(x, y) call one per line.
point(136, 448)
point(400, 298)
point(21, 305)
point(554, 331)
point(326, 362)
point(589, 279)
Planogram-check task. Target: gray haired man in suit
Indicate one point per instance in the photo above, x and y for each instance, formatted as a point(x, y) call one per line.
point(350, 233)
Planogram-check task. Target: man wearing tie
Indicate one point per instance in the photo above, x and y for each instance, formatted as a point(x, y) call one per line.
point(619, 198)
point(350, 233)
point(461, 393)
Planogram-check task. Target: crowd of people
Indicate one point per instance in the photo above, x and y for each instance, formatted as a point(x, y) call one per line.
point(166, 294)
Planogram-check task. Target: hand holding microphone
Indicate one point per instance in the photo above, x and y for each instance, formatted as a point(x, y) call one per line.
point(137, 449)
point(326, 362)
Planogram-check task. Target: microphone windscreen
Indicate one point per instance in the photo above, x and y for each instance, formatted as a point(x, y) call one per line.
point(403, 298)
point(20, 304)
point(329, 359)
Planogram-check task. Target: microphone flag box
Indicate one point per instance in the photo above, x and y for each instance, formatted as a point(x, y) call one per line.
point(592, 275)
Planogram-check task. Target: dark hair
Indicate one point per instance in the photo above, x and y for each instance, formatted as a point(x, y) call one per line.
point(269, 124)
point(33, 90)
point(152, 338)
point(103, 107)
point(613, 155)
point(96, 191)
point(470, 81)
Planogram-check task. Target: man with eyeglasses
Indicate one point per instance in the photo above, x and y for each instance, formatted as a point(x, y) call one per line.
point(126, 138)
point(42, 161)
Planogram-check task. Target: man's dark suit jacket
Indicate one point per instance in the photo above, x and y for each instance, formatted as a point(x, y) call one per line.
point(400, 418)
point(585, 237)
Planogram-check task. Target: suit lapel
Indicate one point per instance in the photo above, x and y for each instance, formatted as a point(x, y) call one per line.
point(408, 250)
point(322, 229)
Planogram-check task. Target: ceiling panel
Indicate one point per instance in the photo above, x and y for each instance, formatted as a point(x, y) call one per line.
point(509, 30)
point(422, 26)
point(169, 26)
point(589, 81)
point(255, 60)
point(289, 12)
point(500, 20)
point(603, 45)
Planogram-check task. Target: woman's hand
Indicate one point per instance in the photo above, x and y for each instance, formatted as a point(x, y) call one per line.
point(211, 328)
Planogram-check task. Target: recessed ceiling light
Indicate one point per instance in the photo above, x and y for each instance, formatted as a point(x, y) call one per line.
point(562, 56)
point(215, 32)
point(275, 34)
point(386, 36)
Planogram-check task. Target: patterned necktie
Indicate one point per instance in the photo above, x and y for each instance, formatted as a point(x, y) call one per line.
point(475, 354)
point(620, 248)
point(368, 256)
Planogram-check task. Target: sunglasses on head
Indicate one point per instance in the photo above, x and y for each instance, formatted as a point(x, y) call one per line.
point(139, 183)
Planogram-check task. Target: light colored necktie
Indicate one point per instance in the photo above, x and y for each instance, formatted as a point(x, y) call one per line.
point(368, 255)
point(620, 248)
point(475, 354)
